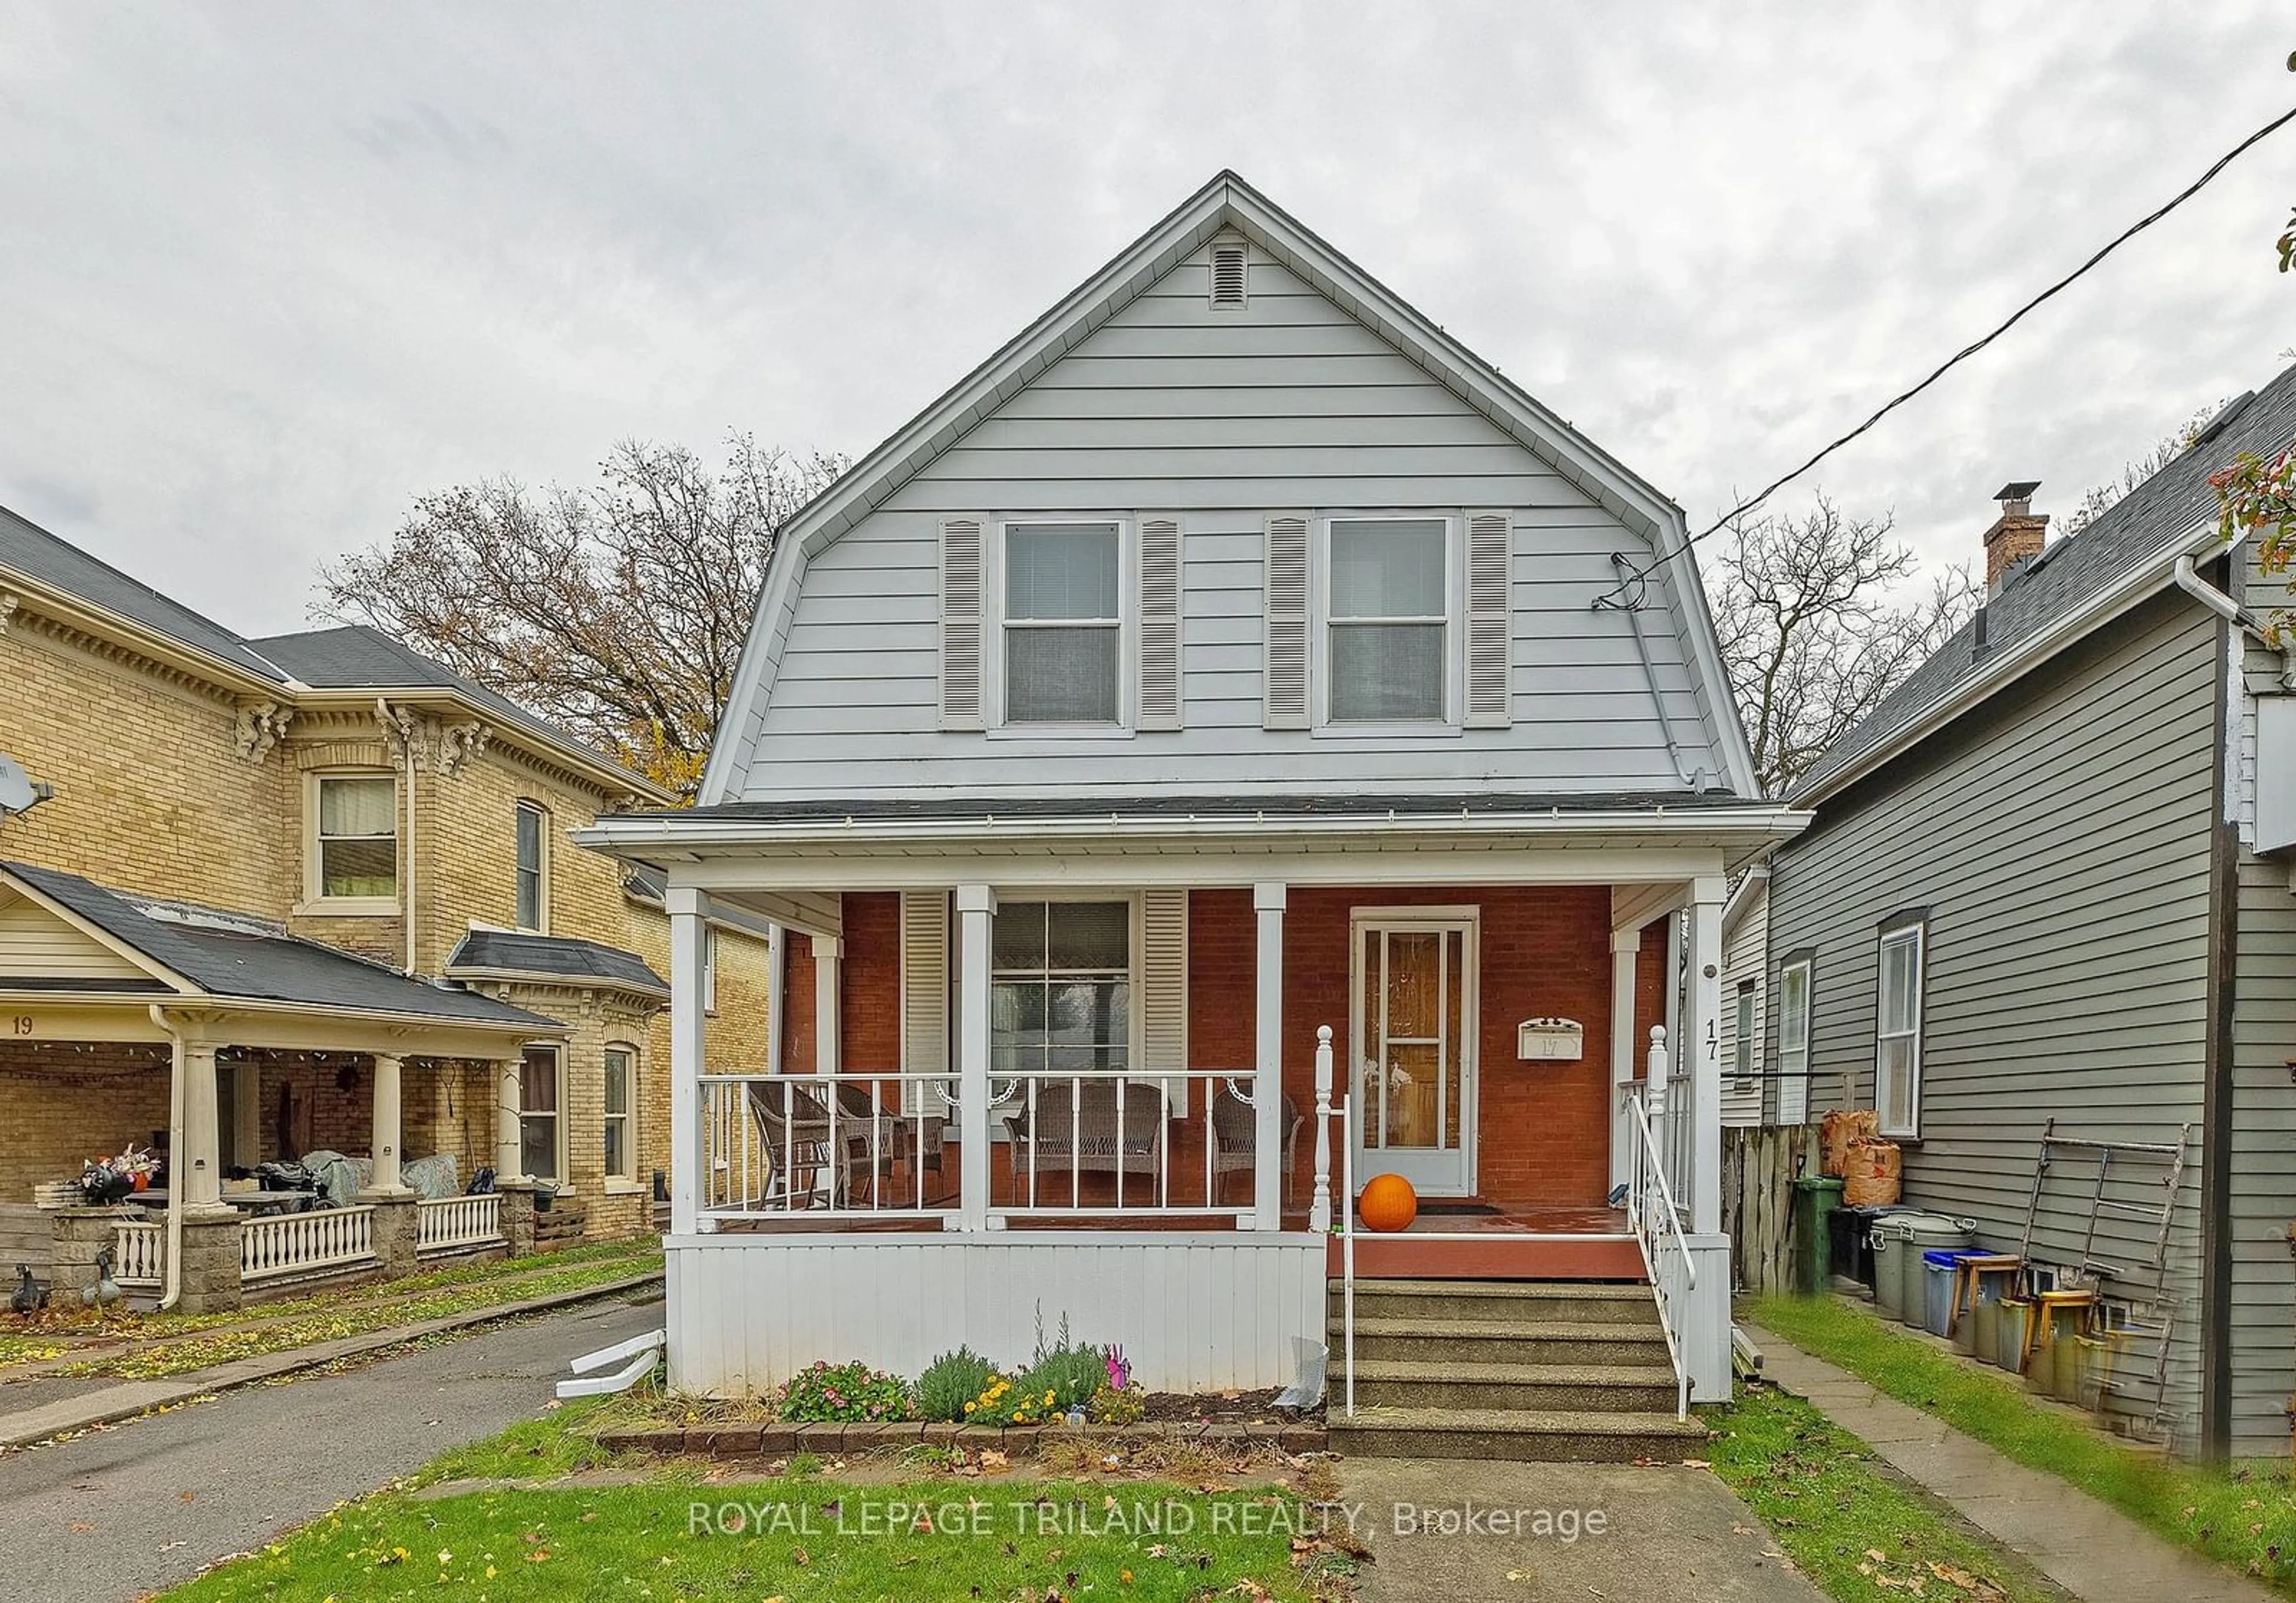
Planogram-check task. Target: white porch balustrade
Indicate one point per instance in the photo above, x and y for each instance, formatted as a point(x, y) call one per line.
point(1096, 1144)
point(140, 1246)
point(293, 1243)
point(452, 1223)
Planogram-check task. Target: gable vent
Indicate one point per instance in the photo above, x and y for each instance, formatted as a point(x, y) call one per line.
point(1227, 275)
point(1286, 683)
point(1489, 539)
point(1160, 623)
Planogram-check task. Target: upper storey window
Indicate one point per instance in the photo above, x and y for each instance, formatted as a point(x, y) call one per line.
point(1064, 622)
point(1389, 620)
point(355, 840)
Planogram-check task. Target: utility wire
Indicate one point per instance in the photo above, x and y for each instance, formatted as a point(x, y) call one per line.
point(1617, 596)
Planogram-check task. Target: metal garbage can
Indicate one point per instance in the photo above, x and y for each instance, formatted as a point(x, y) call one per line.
point(1940, 1269)
point(1890, 1247)
point(1815, 1197)
point(1925, 1234)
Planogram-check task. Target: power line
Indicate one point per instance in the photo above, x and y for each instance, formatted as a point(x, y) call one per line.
point(1616, 596)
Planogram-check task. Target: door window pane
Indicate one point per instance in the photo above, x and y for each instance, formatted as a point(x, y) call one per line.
point(538, 1112)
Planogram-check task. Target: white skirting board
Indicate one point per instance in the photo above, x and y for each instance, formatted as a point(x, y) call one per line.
point(1193, 1312)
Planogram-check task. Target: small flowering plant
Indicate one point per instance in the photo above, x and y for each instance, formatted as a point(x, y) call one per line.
point(846, 1394)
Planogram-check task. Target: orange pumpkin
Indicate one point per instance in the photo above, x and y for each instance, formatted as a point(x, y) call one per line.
point(1387, 1203)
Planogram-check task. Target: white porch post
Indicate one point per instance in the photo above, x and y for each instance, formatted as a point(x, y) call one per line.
point(198, 1168)
point(1705, 1060)
point(510, 1150)
point(688, 935)
point(827, 950)
point(976, 907)
point(1267, 900)
point(1625, 947)
point(386, 1143)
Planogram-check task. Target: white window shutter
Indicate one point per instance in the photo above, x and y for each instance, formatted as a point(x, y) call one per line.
point(924, 990)
point(1490, 541)
point(960, 622)
point(1286, 678)
point(1164, 991)
point(1160, 623)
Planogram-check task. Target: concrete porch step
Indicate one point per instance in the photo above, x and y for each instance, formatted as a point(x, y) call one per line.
point(1570, 1436)
point(1471, 1341)
point(1527, 1387)
point(1511, 1302)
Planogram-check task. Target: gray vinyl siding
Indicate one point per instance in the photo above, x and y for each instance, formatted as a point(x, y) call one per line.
point(2263, 1168)
point(2058, 838)
point(1742, 961)
point(1221, 419)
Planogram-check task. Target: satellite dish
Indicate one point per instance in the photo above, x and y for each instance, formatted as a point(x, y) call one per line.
point(20, 792)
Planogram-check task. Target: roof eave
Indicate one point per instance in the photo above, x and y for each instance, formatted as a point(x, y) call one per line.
point(610, 777)
point(197, 662)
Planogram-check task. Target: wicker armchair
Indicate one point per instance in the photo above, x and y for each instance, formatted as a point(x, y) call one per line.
point(1076, 1127)
point(1236, 1139)
point(794, 1127)
point(913, 1140)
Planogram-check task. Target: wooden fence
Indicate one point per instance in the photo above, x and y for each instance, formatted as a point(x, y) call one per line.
point(1758, 1169)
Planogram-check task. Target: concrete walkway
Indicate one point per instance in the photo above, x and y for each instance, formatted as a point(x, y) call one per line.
point(124, 1400)
point(2094, 1551)
point(1668, 1533)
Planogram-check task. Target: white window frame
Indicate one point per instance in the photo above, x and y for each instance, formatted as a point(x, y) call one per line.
point(994, 624)
point(1745, 1004)
point(314, 881)
point(1793, 1057)
point(1136, 940)
point(1912, 933)
point(563, 1179)
point(1320, 622)
point(523, 809)
point(626, 1179)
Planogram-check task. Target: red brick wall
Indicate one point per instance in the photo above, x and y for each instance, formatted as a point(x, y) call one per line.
point(1650, 987)
point(869, 1021)
point(797, 1004)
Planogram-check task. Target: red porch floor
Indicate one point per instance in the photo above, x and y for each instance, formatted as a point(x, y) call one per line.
point(1512, 1244)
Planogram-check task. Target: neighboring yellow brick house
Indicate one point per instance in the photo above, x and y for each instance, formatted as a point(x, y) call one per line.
point(289, 892)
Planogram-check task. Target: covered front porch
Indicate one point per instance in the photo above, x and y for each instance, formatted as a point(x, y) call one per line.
point(1133, 1068)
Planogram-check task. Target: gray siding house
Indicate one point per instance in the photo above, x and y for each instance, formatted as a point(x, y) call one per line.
point(2035, 899)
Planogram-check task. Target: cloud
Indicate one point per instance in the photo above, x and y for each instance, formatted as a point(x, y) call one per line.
point(289, 266)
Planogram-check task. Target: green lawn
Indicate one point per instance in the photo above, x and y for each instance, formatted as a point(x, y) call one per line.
point(164, 1345)
point(2243, 1515)
point(1855, 1529)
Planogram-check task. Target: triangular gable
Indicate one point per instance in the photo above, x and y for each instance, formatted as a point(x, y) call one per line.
point(1228, 204)
point(43, 944)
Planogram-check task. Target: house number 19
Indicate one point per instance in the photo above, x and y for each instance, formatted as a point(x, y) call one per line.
point(21, 1024)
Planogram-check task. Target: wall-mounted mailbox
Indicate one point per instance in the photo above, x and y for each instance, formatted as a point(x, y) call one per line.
point(1550, 1041)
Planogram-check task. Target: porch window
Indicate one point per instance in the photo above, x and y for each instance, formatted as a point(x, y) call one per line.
point(1793, 1042)
point(355, 841)
point(1390, 619)
point(539, 1104)
point(1898, 1043)
point(1061, 988)
point(533, 868)
point(621, 1152)
point(1064, 622)
point(1742, 1046)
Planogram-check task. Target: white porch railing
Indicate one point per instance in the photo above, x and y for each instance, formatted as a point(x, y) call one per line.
point(1654, 1218)
point(140, 1247)
point(291, 1243)
point(858, 1146)
point(448, 1224)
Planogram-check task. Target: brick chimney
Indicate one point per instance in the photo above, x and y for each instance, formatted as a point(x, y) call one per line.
point(2017, 533)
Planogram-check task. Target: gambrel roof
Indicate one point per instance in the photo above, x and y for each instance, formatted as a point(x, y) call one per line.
point(1229, 205)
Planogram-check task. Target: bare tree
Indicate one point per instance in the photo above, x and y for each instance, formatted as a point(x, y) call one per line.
point(2172, 445)
point(616, 612)
point(1821, 617)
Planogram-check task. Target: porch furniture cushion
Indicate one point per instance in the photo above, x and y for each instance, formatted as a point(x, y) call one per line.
point(432, 1178)
point(1235, 1137)
point(1076, 1126)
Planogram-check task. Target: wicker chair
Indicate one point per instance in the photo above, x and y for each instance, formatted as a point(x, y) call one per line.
point(898, 1139)
point(1236, 1139)
point(1076, 1126)
point(794, 1125)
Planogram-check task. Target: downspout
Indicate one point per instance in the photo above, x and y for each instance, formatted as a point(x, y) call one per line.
point(2188, 580)
point(1693, 778)
point(405, 724)
point(172, 1284)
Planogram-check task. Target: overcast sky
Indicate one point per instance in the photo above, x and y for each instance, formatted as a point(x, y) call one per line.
point(270, 271)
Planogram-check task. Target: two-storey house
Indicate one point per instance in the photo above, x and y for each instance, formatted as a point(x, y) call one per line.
point(306, 894)
point(1233, 744)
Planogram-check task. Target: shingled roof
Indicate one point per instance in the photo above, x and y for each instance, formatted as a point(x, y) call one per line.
point(494, 952)
point(2152, 525)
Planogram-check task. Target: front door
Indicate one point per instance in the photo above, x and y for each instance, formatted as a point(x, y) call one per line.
point(1414, 1031)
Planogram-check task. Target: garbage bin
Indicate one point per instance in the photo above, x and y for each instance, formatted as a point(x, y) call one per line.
point(1815, 1197)
point(1925, 1234)
point(1889, 1248)
point(1939, 1266)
